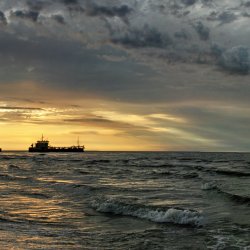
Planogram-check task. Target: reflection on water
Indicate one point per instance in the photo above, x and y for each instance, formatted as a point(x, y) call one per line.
point(27, 209)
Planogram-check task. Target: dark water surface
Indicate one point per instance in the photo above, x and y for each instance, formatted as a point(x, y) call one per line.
point(125, 201)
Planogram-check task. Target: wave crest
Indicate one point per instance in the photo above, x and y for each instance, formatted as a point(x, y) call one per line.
point(159, 215)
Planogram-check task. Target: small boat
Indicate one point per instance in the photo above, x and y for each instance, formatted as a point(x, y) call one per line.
point(43, 146)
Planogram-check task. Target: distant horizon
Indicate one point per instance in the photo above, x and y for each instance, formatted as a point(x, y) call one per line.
point(128, 151)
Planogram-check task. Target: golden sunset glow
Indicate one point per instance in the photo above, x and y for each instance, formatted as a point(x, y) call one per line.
point(99, 127)
point(102, 129)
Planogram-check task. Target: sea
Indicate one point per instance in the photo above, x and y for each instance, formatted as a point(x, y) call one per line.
point(125, 200)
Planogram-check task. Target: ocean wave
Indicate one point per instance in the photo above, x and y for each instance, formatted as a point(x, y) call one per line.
point(8, 177)
point(190, 175)
point(235, 197)
point(7, 220)
point(123, 161)
point(6, 157)
point(161, 173)
point(185, 175)
point(94, 162)
point(35, 195)
point(160, 215)
point(232, 172)
point(157, 165)
point(209, 186)
point(227, 240)
point(13, 167)
point(74, 160)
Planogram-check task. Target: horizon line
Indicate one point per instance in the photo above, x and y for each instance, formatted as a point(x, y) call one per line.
point(135, 151)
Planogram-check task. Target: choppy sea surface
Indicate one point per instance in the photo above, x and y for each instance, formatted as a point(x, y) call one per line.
point(105, 200)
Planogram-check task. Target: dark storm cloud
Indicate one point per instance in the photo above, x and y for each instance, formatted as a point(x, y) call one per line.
point(227, 17)
point(189, 2)
point(70, 1)
point(44, 50)
point(68, 66)
point(217, 50)
point(36, 5)
point(108, 11)
point(202, 31)
point(2, 18)
point(145, 37)
point(181, 35)
point(177, 46)
point(59, 19)
point(207, 2)
point(247, 4)
point(222, 17)
point(31, 15)
point(73, 5)
point(236, 60)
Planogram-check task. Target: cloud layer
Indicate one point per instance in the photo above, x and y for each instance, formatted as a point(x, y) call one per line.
point(182, 30)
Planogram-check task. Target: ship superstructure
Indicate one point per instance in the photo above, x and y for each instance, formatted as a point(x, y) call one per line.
point(43, 146)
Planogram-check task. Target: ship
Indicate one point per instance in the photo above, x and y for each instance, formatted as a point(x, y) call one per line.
point(43, 146)
point(0, 150)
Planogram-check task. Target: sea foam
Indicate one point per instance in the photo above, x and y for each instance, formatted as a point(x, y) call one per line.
point(209, 186)
point(159, 215)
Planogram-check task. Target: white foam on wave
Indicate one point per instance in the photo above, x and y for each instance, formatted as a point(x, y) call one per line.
point(169, 215)
point(228, 242)
point(209, 186)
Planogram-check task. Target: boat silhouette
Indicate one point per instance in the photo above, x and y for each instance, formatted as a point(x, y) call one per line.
point(43, 146)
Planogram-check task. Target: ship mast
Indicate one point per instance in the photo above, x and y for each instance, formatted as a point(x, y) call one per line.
point(78, 142)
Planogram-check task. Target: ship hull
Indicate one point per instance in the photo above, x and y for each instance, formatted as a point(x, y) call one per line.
point(59, 150)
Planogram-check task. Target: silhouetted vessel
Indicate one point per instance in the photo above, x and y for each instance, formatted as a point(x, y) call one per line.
point(43, 146)
point(0, 150)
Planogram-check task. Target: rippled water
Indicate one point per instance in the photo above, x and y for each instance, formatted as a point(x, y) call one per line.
point(125, 201)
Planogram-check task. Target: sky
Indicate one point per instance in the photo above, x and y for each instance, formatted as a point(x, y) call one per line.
point(126, 75)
